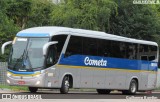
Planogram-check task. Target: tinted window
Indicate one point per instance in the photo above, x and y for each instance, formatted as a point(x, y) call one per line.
point(152, 52)
point(153, 48)
point(143, 48)
point(52, 56)
point(131, 50)
point(90, 46)
point(117, 49)
point(122, 49)
point(61, 40)
point(108, 48)
point(144, 58)
point(55, 50)
point(74, 46)
point(149, 51)
point(104, 47)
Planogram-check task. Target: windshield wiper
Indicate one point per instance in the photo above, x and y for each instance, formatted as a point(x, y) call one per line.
point(27, 57)
point(21, 57)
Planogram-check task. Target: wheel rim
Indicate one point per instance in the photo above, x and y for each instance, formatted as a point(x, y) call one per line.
point(133, 87)
point(66, 85)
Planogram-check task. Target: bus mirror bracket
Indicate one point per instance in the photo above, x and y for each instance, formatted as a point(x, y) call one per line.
point(4, 45)
point(45, 47)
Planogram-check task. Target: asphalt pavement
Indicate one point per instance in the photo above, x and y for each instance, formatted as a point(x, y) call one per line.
point(76, 94)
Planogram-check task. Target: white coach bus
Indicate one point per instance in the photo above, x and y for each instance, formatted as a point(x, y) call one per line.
point(63, 58)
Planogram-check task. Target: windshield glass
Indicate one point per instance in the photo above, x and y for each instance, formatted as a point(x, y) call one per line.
point(26, 54)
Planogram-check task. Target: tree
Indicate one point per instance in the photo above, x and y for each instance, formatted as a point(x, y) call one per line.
point(19, 11)
point(7, 27)
point(86, 14)
point(136, 21)
point(40, 13)
point(29, 13)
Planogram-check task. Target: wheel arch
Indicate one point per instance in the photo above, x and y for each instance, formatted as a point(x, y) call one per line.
point(136, 79)
point(70, 79)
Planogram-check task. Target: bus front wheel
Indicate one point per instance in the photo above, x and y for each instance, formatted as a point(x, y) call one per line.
point(65, 85)
point(132, 88)
point(103, 91)
point(33, 89)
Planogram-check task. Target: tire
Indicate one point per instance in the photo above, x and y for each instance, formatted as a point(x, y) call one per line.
point(33, 89)
point(132, 88)
point(103, 91)
point(65, 85)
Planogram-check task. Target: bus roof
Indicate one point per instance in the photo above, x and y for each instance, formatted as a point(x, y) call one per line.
point(48, 31)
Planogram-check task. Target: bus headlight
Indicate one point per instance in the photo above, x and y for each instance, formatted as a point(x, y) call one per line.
point(38, 75)
point(8, 74)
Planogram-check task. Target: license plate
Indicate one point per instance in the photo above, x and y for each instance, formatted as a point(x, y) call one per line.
point(21, 82)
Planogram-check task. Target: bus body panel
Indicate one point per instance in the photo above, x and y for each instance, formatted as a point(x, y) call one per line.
point(51, 77)
point(99, 78)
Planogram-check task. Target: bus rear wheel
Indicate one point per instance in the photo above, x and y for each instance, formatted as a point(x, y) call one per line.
point(65, 85)
point(33, 89)
point(103, 91)
point(132, 88)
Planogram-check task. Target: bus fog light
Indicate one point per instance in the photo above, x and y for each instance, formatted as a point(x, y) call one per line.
point(38, 82)
point(8, 82)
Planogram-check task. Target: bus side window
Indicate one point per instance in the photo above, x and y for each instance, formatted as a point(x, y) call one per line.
point(61, 41)
point(104, 47)
point(148, 58)
point(119, 47)
point(143, 51)
point(52, 56)
point(122, 49)
point(152, 52)
point(148, 51)
point(74, 46)
point(144, 58)
point(151, 58)
point(131, 51)
point(90, 46)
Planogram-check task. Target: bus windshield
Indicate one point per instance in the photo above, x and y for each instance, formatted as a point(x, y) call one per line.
point(26, 54)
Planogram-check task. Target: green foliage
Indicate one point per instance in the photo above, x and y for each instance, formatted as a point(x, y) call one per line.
point(7, 28)
point(40, 13)
point(19, 11)
point(29, 13)
point(137, 21)
point(14, 88)
point(86, 14)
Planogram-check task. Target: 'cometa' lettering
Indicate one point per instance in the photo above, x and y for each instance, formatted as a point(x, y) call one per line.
point(93, 62)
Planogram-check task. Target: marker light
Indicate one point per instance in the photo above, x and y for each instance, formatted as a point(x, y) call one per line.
point(8, 82)
point(38, 82)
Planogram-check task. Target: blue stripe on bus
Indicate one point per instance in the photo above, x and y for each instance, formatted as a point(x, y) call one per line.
point(119, 63)
point(33, 35)
point(18, 72)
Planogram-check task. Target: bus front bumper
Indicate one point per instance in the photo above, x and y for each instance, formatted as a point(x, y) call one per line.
point(34, 81)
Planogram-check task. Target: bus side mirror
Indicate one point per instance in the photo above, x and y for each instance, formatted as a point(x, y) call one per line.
point(4, 45)
point(45, 47)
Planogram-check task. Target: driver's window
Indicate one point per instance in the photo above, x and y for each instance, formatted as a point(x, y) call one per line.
point(52, 56)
